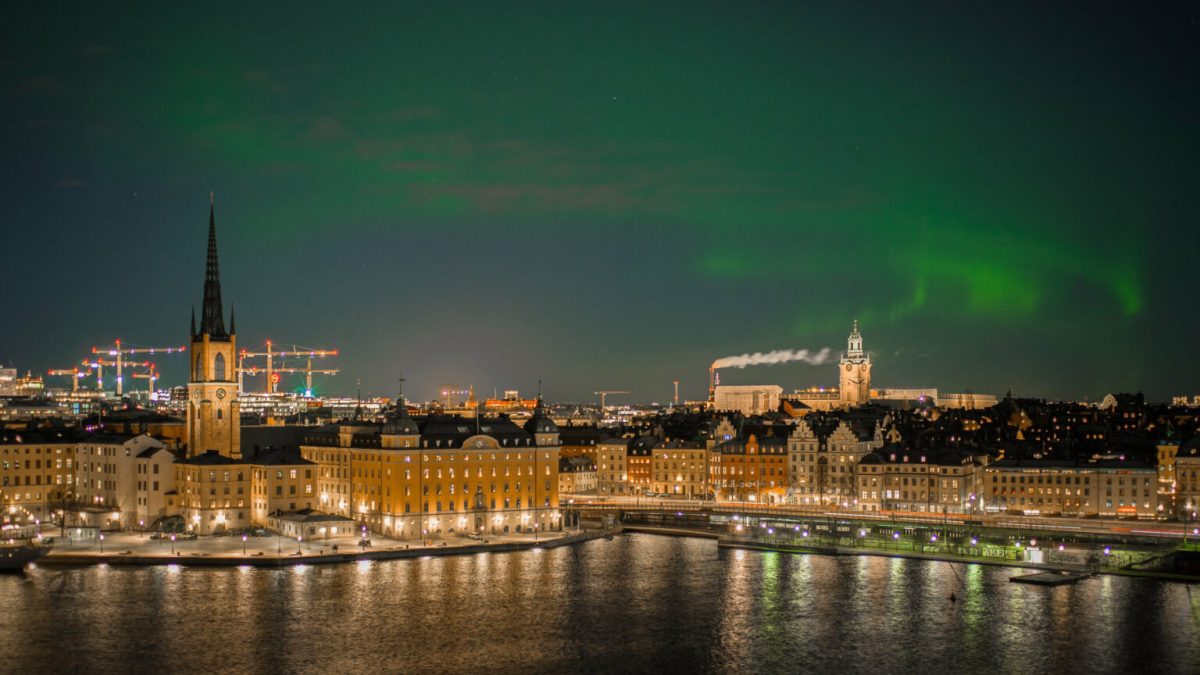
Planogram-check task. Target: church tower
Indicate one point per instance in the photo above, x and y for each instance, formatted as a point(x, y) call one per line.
point(854, 383)
point(213, 415)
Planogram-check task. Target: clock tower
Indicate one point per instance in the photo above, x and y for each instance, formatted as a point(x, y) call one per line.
point(854, 382)
point(213, 416)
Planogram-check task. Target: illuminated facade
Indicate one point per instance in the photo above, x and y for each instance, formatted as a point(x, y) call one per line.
point(1186, 481)
point(477, 476)
point(752, 470)
point(1055, 487)
point(680, 468)
point(213, 416)
point(893, 479)
point(102, 480)
point(854, 371)
point(612, 473)
point(822, 456)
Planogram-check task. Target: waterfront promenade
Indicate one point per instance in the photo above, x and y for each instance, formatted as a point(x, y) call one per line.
point(127, 548)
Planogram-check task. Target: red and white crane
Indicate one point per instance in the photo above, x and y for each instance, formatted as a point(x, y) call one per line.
point(100, 364)
point(119, 352)
point(271, 370)
point(152, 376)
point(74, 373)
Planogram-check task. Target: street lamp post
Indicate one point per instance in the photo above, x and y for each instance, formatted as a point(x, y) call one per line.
point(298, 540)
point(243, 545)
point(172, 543)
point(102, 543)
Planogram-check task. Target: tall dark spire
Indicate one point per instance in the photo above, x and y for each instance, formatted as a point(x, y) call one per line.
point(212, 321)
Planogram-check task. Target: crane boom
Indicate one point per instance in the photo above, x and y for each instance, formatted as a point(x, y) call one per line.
point(271, 354)
point(120, 352)
point(604, 394)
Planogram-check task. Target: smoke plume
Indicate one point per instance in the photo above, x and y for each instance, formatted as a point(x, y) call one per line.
point(771, 358)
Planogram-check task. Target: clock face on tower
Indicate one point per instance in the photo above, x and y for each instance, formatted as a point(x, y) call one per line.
point(849, 367)
point(220, 393)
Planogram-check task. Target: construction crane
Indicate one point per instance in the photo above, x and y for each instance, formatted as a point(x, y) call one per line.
point(99, 365)
point(676, 392)
point(270, 370)
point(152, 377)
point(74, 373)
point(604, 394)
point(119, 353)
point(308, 373)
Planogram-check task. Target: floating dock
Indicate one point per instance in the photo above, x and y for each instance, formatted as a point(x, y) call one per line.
point(1050, 578)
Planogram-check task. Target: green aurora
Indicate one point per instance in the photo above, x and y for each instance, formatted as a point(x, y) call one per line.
point(611, 195)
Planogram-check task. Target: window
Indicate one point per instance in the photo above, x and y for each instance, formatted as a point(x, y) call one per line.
point(219, 367)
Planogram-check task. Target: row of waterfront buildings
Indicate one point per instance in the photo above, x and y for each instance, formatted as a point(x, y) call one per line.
point(837, 463)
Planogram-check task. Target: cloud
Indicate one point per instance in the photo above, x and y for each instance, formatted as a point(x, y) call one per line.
point(327, 129)
point(504, 197)
point(263, 80)
point(413, 113)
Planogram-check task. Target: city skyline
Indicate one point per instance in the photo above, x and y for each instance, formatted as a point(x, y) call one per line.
point(616, 214)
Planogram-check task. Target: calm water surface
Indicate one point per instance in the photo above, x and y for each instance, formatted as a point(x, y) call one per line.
point(638, 603)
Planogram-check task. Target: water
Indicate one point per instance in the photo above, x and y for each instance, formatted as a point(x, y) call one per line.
point(637, 603)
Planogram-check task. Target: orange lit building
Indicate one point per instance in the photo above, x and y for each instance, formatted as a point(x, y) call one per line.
point(751, 470)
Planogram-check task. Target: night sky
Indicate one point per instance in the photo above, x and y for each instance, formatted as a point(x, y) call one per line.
point(609, 195)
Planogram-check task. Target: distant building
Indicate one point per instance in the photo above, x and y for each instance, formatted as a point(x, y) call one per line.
point(751, 399)
point(679, 468)
point(576, 475)
point(612, 474)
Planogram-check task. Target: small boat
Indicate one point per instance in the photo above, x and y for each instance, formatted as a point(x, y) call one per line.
point(14, 557)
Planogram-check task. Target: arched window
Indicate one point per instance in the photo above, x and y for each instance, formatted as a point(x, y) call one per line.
point(199, 374)
point(219, 368)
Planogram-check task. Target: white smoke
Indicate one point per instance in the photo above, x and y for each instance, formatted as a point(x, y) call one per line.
point(772, 358)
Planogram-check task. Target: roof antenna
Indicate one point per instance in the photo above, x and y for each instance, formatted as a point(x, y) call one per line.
point(358, 408)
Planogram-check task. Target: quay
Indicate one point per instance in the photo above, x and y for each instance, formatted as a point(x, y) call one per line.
point(128, 549)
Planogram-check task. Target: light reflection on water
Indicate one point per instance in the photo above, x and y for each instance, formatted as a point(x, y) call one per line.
point(636, 603)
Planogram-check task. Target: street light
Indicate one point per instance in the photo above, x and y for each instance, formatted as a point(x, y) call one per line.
point(298, 540)
point(102, 543)
point(243, 545)
point(172, 543)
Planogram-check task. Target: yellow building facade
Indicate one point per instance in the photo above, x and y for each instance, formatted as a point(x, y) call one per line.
point(462, 476)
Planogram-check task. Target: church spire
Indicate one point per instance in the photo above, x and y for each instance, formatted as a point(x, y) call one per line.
point(212, 321)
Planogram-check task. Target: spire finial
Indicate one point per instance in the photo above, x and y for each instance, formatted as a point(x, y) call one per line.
point(212, 321)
